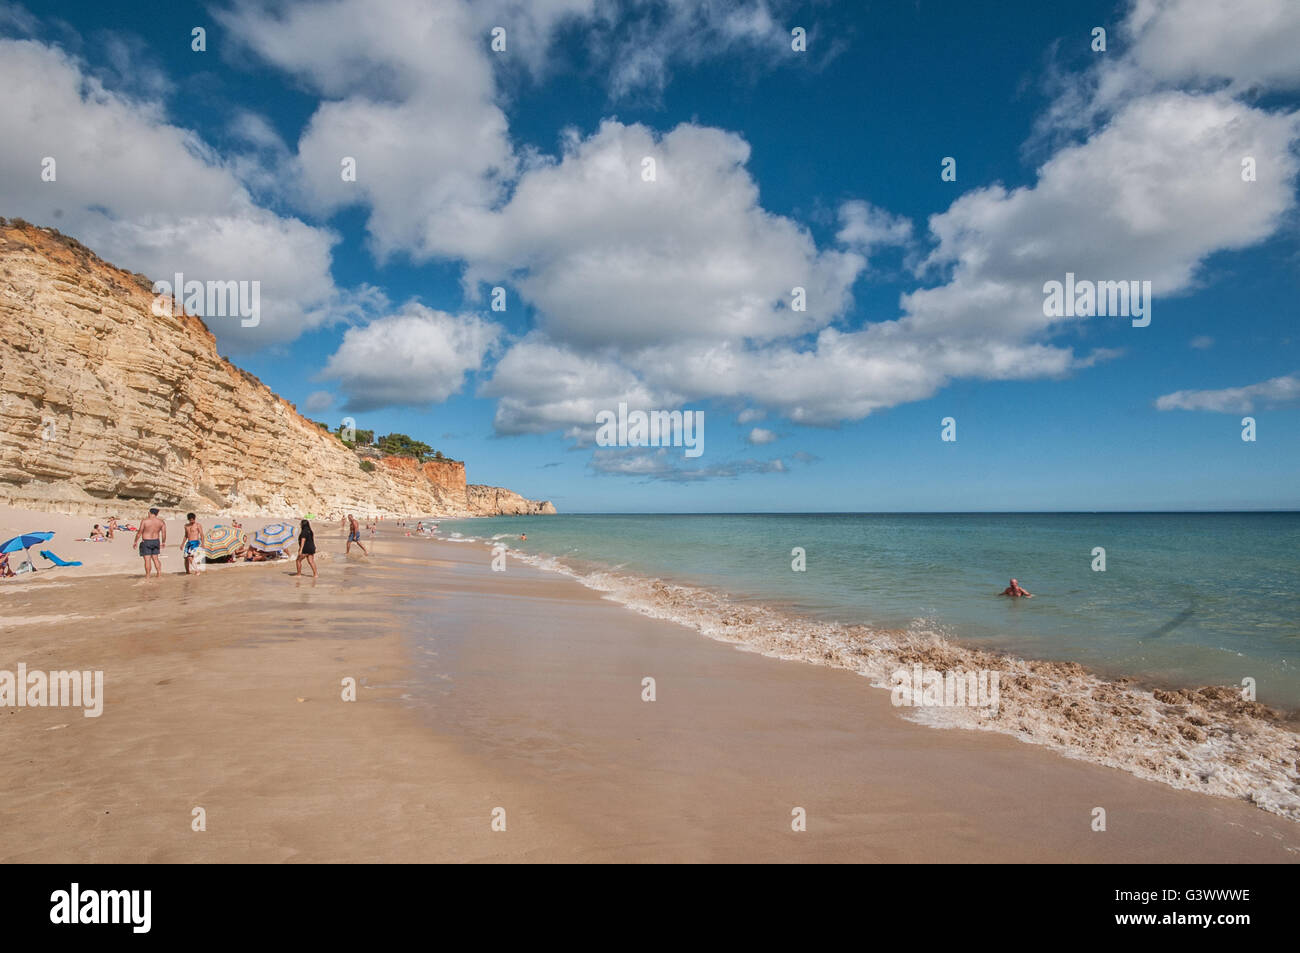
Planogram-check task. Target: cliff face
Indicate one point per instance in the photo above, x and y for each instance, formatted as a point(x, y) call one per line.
point(101, 400)
point(498, 500)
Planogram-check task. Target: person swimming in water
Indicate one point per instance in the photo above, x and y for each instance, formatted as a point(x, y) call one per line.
point(1016, 591)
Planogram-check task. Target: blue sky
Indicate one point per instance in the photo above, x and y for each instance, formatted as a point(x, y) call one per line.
point(818, 168)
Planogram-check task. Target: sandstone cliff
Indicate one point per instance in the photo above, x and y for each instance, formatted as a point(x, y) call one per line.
point(496, 499)
point(101, 400)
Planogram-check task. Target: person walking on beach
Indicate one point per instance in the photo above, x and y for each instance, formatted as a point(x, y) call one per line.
point(1016, 592)
point(306, 548)
point(151, 538)
point(193, 540)
point(354, 536)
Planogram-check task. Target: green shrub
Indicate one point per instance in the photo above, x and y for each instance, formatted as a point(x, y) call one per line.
point(400, 445)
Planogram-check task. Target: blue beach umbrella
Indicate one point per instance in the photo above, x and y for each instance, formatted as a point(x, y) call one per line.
point(25, 541)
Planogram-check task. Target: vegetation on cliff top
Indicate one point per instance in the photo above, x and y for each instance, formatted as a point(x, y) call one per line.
point(390, 445)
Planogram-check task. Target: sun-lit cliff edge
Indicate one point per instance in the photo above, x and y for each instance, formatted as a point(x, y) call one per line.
point(102, 400)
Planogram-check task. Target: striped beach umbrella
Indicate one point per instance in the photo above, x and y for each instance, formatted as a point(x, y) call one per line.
point(222, 541)
point(273, 536)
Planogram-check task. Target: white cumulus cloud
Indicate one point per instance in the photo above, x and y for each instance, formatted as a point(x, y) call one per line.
point(416, 357)
point(151, 196)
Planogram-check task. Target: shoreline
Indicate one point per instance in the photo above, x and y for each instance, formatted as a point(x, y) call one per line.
point(519, 689)
point(1206, 738)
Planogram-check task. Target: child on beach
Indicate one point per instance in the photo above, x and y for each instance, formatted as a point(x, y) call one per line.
point(193, 540)
point(306, 548)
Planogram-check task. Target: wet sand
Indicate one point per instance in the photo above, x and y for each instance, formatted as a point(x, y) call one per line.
point(521, 690)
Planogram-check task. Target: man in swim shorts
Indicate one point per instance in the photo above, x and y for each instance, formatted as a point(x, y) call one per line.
point(151, 537)
point(354, 535)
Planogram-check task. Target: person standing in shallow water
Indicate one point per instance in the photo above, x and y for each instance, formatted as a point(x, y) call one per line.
point(193, 541)
point(306, 548)
point(151, 537)
point(354, 536)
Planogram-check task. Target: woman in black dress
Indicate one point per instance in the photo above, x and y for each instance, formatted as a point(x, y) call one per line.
point(306, 548)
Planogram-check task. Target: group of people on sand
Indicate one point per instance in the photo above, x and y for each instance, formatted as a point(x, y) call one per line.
point(151, 537)
point(420, 528)
point(193, 543)
point(99, 534)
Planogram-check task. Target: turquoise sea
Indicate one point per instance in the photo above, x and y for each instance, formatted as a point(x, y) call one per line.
point(1186, 599)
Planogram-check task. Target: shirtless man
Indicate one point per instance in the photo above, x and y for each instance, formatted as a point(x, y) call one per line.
point(1016, 592)
point(151, 538)
point(354, 536)
point(193, 540)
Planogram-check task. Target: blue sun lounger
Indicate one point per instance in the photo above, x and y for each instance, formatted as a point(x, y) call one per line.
point(56, 560)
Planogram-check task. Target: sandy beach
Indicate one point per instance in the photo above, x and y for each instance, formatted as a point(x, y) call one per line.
point(519, 690)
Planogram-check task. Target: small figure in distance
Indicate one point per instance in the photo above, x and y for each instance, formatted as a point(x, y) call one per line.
point(1016, 591)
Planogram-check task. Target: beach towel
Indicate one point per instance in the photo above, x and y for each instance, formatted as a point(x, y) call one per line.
point(56, 560)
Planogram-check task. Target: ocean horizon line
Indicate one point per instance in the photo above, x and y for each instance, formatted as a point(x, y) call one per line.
point(1186, 512)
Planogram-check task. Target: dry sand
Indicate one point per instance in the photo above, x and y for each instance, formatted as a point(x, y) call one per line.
point(111, 556)
point(520, 690)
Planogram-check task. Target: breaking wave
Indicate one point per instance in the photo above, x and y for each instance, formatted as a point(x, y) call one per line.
point(1207, 739)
